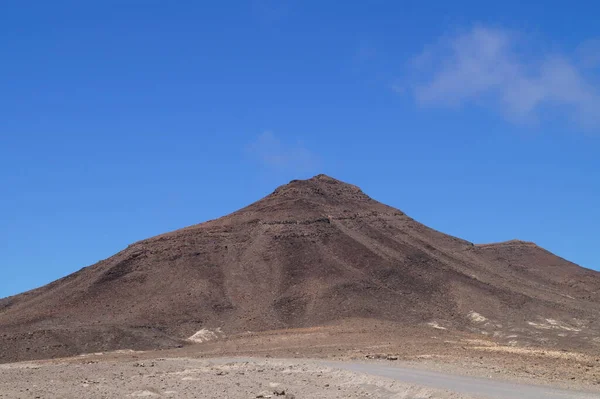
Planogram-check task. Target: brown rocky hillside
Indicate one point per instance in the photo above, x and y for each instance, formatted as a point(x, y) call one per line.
point(313, 252)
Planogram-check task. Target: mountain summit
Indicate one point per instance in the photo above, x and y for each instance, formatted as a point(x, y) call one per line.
point(314, 252)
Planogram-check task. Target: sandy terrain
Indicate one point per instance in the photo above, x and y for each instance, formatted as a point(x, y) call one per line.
point(326, 362)
point(441, 350)
point(118, 375)
point(199, 378)
point(339, 361)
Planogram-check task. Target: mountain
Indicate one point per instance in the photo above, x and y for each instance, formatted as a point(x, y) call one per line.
point(314, 252)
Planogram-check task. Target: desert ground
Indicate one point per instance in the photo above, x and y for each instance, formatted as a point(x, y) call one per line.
point(200, 378)
point(315, 363)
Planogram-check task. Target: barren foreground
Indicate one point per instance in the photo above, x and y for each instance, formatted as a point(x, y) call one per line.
point(97, 377)
point(316, 363)
point(197, 378)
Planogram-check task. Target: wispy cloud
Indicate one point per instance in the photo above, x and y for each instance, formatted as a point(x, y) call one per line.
point(491, 67)
point(272, 152)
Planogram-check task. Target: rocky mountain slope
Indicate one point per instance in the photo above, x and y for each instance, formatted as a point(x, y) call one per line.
point(313, 252)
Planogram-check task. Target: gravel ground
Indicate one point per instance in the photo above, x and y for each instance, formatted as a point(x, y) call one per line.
point(199, 378)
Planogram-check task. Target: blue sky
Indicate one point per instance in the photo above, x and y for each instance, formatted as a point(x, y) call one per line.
point(120, 120)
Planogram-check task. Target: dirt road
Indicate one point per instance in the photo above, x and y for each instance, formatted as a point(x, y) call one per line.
point(476, 387)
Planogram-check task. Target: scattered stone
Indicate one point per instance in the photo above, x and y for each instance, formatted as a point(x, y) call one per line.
point(143, 393)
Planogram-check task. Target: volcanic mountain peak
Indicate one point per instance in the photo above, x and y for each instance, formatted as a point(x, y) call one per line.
point(303, 201)
point(321, 188)
point(317, 199)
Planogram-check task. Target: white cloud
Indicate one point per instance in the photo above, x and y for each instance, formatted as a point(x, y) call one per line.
point(490, 67)
point(273, 152)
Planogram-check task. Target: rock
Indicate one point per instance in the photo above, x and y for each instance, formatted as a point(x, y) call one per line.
point(392, 357)
point(279, 392)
